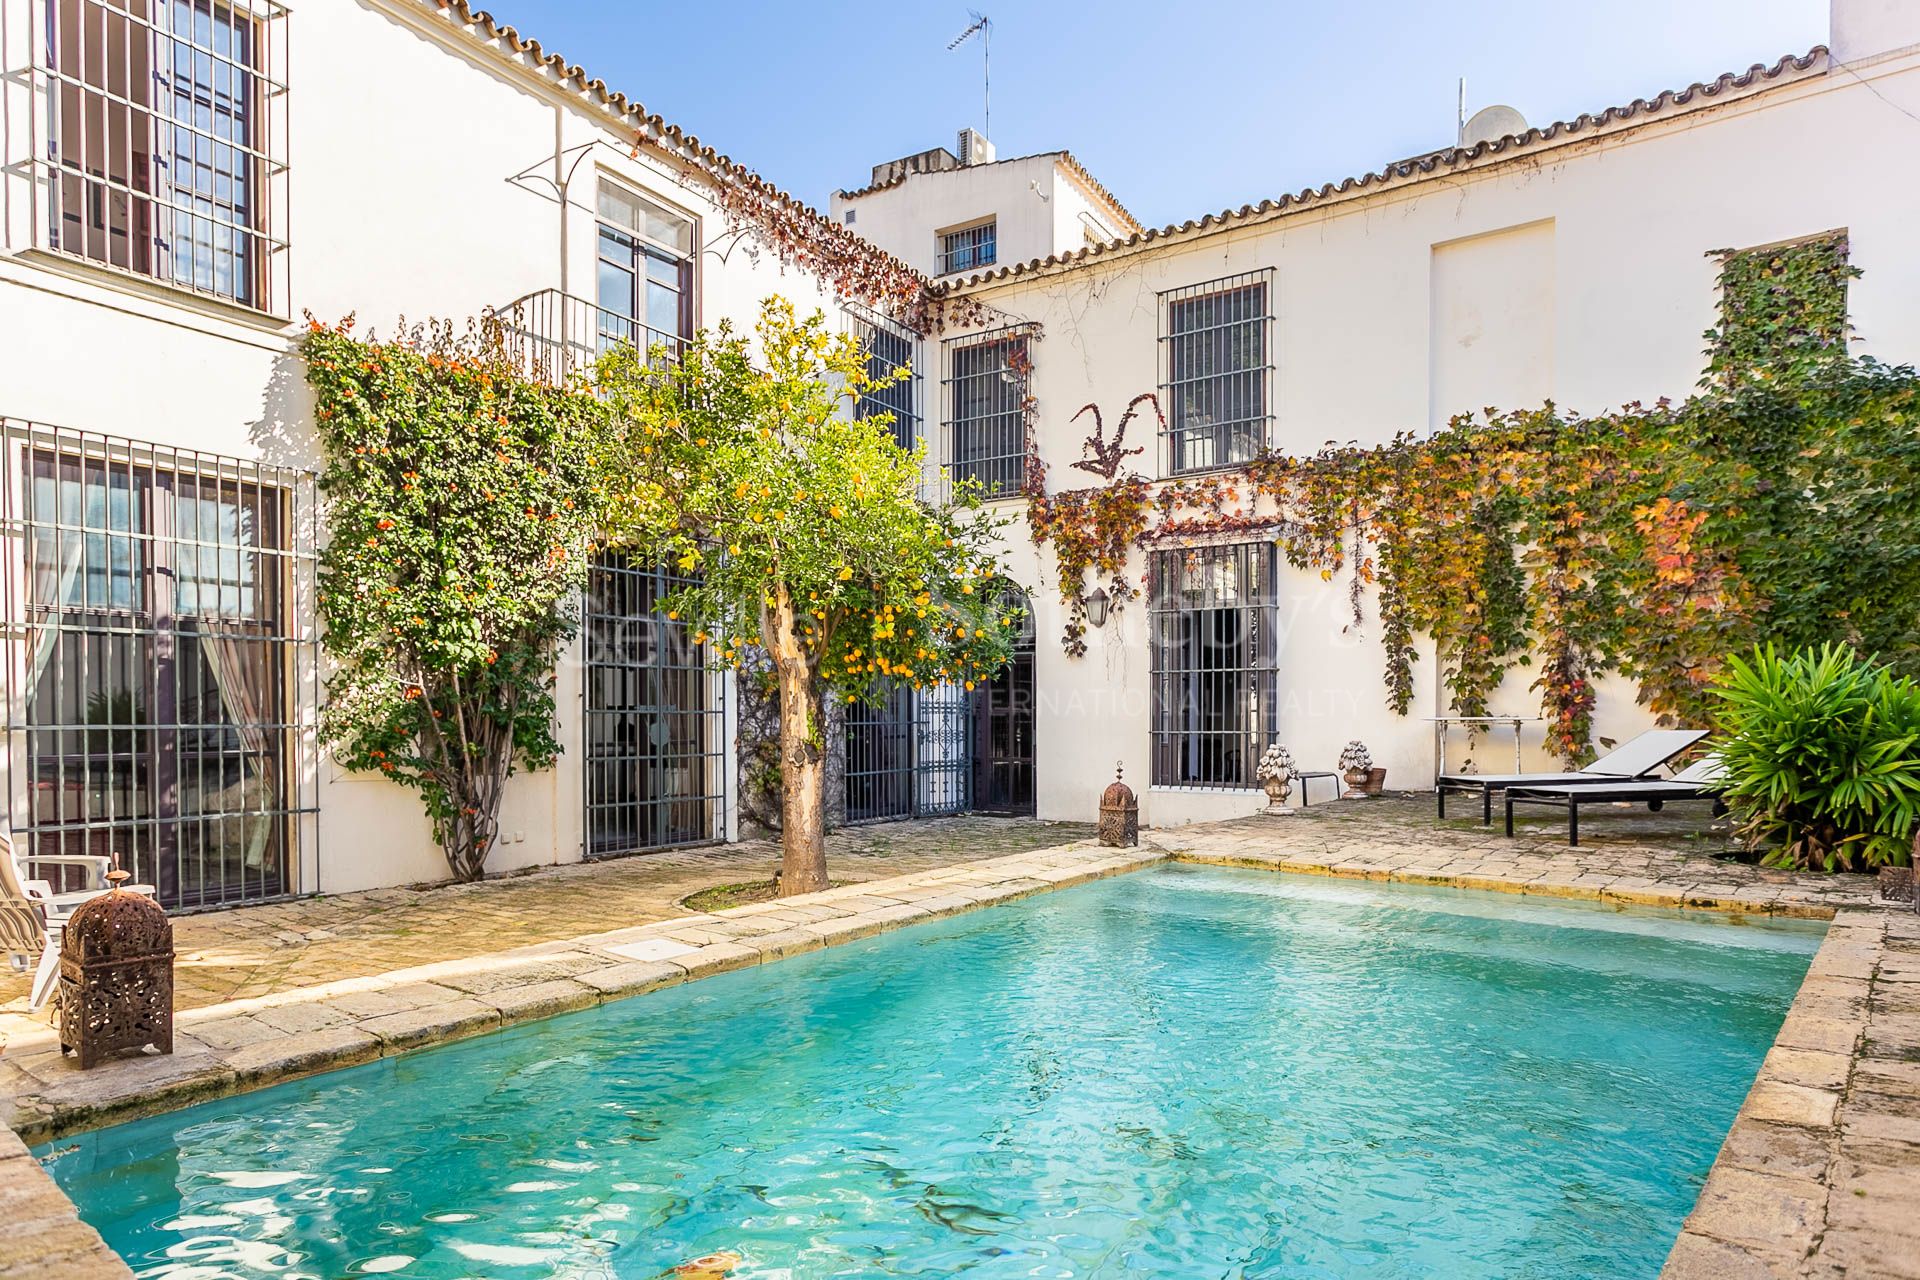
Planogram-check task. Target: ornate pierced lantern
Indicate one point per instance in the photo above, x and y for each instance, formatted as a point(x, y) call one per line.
point(1119, 814)
point(116, 976)
point(1897, 884)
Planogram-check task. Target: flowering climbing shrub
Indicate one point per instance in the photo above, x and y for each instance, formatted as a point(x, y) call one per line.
point(461, 502)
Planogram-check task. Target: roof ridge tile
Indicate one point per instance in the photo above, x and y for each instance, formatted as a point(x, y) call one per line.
point(1787, 69)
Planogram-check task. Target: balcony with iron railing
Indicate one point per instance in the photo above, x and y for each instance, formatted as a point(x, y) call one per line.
point(555, 337)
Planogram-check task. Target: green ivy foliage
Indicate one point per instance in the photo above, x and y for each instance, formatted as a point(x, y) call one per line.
point(462, 502)
point(1774, 505)
point(1783, 310)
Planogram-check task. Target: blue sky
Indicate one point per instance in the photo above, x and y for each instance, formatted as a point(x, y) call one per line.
point(1181, 107)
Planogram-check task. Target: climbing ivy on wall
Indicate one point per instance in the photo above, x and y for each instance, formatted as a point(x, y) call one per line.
point(1653, 541)
point(1783, 309)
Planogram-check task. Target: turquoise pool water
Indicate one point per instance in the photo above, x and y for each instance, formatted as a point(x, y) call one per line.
point(1185, 1072)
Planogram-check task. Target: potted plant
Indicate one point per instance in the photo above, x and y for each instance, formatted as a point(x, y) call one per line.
point(1356, 766)
point(1275, 772)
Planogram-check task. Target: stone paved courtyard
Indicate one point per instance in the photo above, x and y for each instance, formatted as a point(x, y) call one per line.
point(256, 951)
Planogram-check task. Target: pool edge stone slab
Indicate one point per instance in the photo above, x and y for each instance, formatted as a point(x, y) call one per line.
point(44, 1234)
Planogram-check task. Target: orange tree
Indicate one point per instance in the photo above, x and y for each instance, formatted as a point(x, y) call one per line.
point(461, 502)
point(746, 465)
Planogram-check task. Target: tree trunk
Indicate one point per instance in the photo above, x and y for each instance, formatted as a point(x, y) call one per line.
point(803, 757)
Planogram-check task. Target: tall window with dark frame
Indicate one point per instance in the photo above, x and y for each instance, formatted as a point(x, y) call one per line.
point(165, 137)
point(969, 248)
point(890, 348)
point(644, 286)
point(1214, 620)
point(1215, 362)
point(656, 772)
point(987, 408)
point(155, 693)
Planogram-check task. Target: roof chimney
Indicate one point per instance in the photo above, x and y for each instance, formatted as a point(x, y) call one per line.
point(1861, 29)
point(974, 148)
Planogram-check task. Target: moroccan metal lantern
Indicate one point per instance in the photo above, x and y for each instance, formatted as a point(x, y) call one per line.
point(1897, 885)
point(1119, 814)
point(116, 976)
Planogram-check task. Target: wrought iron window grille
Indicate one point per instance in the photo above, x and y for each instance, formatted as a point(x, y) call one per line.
point(1216, 372)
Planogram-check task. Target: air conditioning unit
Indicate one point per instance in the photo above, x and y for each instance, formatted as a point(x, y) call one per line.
point(974, 147)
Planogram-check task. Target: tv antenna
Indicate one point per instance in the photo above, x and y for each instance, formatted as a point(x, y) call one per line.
point(982, 26)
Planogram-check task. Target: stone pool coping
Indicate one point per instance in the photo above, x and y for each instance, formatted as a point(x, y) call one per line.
point(1794, 1116)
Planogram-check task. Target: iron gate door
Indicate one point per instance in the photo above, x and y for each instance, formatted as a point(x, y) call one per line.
point(908, 756)
point(656, 754)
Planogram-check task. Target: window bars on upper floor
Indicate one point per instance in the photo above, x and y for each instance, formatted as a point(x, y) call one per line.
point(1213, 619)
point(162, 663)
point(986, 413)
point(969, 248)
point(157, 141)
point(1216, 367)
point(891, 347)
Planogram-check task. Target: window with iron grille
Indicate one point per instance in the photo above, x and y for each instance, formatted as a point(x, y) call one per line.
point(1214, 619)
point(161, 670)
point(1215, 362)
point(968, 248)
point(891, 347)
point(166, 141)
point(987, 408)
point(656, 717)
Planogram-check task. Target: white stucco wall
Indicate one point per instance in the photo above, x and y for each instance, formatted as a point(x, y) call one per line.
point(404, 136)
point(1579, 274)
point(1035, 203)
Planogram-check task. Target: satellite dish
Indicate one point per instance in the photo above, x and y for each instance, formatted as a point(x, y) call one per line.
point(1489, 123)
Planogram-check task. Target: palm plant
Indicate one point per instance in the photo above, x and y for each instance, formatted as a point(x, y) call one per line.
point(1822, 757)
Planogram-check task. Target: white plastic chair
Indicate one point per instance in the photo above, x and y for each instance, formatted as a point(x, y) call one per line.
point(33, 917)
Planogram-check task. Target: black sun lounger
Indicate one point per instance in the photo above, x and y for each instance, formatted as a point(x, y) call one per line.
point(1701, 781)
point(1635, 759)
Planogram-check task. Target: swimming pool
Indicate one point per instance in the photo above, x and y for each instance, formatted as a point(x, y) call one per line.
point(1180, 1072)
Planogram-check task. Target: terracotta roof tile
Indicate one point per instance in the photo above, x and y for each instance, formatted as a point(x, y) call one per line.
point(1436, 164)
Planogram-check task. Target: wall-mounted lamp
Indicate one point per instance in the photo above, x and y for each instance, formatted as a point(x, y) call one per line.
point(1096, 607)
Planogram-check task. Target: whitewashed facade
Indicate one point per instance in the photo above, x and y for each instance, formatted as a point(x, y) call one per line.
point(182, 180)
point(945, 215)
point(1571, 264)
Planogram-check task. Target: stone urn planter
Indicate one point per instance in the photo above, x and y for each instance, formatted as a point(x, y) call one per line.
point(1356, 767)
point(1275, 773)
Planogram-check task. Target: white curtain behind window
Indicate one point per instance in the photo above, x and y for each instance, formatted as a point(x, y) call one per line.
point(56, 566)
point(246, 687)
